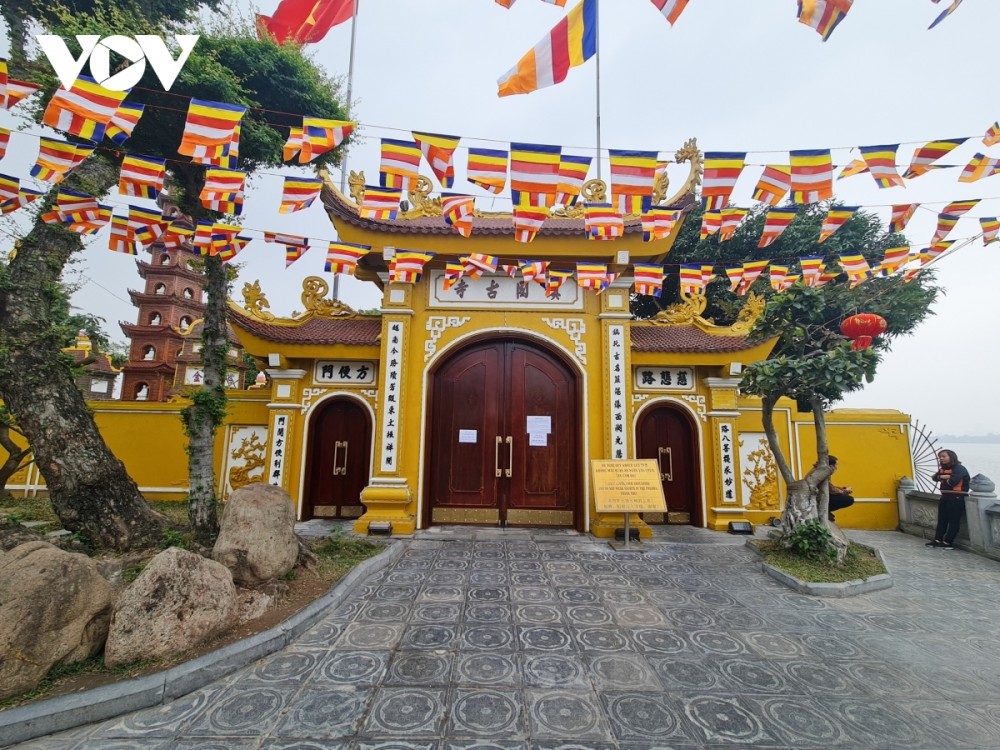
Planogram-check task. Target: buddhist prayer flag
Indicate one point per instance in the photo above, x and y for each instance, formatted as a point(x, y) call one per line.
point(812, 175)
point(534, 270)
point(379, 203)
point(734, 274)
point(293, 145)
point(84, 110)
point(692, 278)
point(71, 206)
point(901, 216)
point(858, 166)
point(145, 224)
point(778, 220)
point(835, 219)
point(534, 174)
point(937, 249)
point(731, 218)
point(893, 259)
point(603, 222)
point(209, 124)
point(177, 234)
point(572, 174)
point(609, 278)
point(3, 82)
point(9, 187)
point(648, 278)
point(476, 264)
point(141, 176)
point(777, 274)
point(992, 136)
point(722, 170)
point(812, 269)
point(318, 136)
point(554, 280)
point(658, 222)
point(56, 159)
point(303, 21)
point(120, 241)
point(487, 168)
point(824, 15)
point(946, 12)
point(991, 228)
point(229, 249)
point(671, 9)
point(946, 222)
point(527, 221)
point(4, 140)
point(201, 243)
point(511, 271)
point(24, 197)
point(711, 223)
point(959, 208)
point(223, 190)
point(458, 211)
point(571, 42)
point(400, 164)
point(509, 3)
point(439, 151)
point(752, 270)
point(343, 257)
point(881, 161)
point(17, 91)
point(295, 246)
point(407, 266)
point(925, 156)
point(452, 273)
point(123, 122)
point(298, 193)
point(773, 185)
point(979, 168)
point(856, 267)
point(633, 174)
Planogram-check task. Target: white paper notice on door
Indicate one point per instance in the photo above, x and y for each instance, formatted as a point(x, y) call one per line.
point(468, 436)
point(538, 439)
point(539, 424)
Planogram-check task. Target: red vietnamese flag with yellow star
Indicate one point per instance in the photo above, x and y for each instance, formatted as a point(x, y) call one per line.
point(304, 21)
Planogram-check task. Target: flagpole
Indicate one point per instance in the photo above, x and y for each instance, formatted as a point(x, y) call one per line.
point(350, 86)
point(597, 54)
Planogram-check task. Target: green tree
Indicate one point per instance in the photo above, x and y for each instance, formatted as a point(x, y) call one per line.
point(811, 362)
point(89, 488)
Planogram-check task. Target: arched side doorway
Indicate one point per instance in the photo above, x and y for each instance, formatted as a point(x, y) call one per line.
point(339, 460)
point(504, 438)
point(666, 434)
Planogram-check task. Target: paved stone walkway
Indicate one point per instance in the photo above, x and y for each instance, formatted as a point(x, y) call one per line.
point(532, 641)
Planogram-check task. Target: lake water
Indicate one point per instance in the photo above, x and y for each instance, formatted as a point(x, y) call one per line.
point(978, 458)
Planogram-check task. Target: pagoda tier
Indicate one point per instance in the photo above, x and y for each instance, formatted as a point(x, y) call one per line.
point(132, 330)
point(144, 300)
point(176, 271)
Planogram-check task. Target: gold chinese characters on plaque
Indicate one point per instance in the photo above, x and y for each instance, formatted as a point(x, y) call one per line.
point(627, 486)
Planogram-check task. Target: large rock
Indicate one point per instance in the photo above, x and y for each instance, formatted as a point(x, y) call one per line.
point(54, 609)
point(257, 536)
point(178, 601)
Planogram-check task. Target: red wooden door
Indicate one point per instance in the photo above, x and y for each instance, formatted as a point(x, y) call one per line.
point(339, 460)
point(484, 465)
point(667, 435)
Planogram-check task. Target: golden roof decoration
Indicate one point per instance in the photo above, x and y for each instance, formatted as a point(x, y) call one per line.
point(689, 312)
point(314, 299)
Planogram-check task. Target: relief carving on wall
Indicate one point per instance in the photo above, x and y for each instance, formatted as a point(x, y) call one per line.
point(437, 325)
point(247, 454)
point(760, 476)
point(575, 328)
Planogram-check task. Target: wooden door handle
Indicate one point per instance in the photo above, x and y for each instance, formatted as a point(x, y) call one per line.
point(510, 455)
point(496, 456)
point(668, 475)
point(336, 447)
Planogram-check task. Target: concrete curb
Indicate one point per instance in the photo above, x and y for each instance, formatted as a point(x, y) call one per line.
point(69, 711)
point(829, 590)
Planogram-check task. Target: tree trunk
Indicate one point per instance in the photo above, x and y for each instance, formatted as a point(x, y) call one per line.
point(839, 541)
point(209, 408)
point(88, 486)
point(800, 506)
point(15, 457)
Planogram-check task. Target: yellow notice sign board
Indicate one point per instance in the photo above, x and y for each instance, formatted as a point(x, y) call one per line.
point(627, 486)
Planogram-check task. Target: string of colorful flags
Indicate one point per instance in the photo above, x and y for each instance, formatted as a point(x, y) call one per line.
point(573, 40)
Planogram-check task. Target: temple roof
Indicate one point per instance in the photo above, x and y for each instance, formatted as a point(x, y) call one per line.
point(314, 329)
point(687, 339)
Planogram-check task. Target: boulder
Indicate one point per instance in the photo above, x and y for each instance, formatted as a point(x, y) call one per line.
point(178, 601)
point(54, 609)
point(257, 539)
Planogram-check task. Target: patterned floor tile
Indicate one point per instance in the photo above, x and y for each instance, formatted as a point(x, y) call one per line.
point(486, 713)
point(565, 715)
point(406, 713)
point(325, 713)
point(643, 716)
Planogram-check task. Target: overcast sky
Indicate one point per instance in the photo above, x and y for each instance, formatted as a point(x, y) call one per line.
point(737, 75)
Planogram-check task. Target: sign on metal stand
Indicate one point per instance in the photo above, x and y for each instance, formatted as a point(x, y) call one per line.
point(631, 486)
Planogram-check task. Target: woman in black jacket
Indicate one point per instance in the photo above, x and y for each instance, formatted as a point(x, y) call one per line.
point(954, 483)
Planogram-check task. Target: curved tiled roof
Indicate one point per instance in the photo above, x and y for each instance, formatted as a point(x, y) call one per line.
point(314, 330)
point(494, 225)
point(685, 339)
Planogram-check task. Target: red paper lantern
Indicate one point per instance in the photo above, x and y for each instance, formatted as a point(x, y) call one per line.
point(861, 328)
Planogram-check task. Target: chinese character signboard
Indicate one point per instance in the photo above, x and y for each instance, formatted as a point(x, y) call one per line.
point(344, 372)
point(486, 292)
point(196, 376)
point(727, 456)
point(664, 378)
point(391, 397)
point(616, 378)
point(279, 442)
